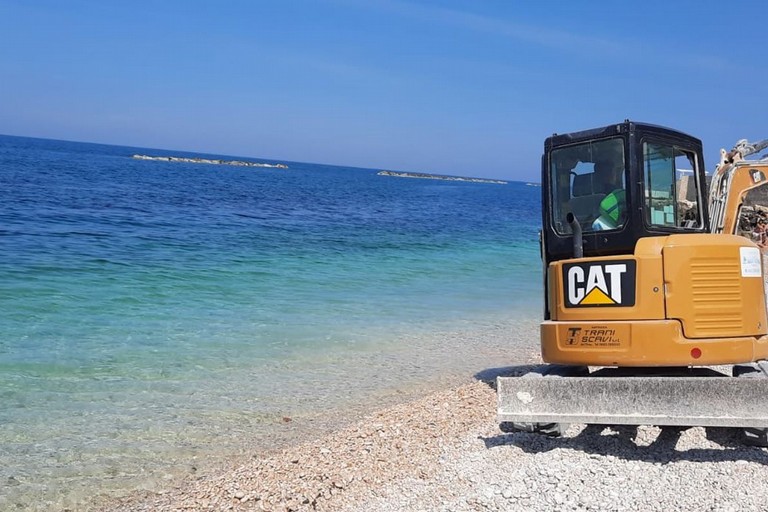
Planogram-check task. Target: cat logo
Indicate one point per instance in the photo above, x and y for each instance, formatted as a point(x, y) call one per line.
point(600, 284)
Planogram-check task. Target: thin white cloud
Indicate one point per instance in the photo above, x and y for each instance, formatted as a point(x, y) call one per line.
point(546, 37)
point(542, 36)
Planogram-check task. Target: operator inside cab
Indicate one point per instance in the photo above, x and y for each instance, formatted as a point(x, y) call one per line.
point(612, 210)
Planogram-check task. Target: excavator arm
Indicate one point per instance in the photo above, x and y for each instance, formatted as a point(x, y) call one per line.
point(732, 180)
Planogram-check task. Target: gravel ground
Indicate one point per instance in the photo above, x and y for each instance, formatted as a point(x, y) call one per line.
point(445, 452)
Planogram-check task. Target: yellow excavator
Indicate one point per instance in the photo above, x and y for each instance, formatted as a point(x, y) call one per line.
point(654, 292)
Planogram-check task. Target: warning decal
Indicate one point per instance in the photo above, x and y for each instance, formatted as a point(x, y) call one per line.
point(599, 284)
point(751, 262)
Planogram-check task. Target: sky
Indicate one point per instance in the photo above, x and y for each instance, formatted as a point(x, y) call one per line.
point(459, 87)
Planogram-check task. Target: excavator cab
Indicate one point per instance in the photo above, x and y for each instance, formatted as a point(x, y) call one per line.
point(644, 292)
point(620, 183)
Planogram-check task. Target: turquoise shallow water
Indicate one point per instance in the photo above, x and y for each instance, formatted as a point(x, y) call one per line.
point(153, 312)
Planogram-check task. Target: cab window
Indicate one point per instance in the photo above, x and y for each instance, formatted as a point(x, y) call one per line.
point(589, 181)
point(671, 190)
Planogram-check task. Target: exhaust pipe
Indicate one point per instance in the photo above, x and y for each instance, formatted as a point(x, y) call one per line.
point(578, 244)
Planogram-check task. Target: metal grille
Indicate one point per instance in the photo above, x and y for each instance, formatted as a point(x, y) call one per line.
point(716, 297)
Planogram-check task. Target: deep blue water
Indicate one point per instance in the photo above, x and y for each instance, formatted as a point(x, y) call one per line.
point(149, 306)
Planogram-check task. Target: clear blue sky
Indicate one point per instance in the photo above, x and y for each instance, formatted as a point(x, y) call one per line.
point(462, 87)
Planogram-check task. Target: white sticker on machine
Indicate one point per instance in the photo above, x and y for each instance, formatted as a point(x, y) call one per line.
point(751, 264)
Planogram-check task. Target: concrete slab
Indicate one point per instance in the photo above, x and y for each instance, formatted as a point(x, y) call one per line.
point(682, 401)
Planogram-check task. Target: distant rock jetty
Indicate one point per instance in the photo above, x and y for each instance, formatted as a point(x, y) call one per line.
point(426, 176)
point(207, 161)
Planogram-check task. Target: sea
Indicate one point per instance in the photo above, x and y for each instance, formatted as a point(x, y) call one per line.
point(161, 318)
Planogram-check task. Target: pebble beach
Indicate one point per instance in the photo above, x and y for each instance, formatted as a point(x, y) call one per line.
point(445, 452)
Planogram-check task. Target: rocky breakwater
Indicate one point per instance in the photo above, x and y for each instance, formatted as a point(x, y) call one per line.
point(426, 176)
point(240, 163)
